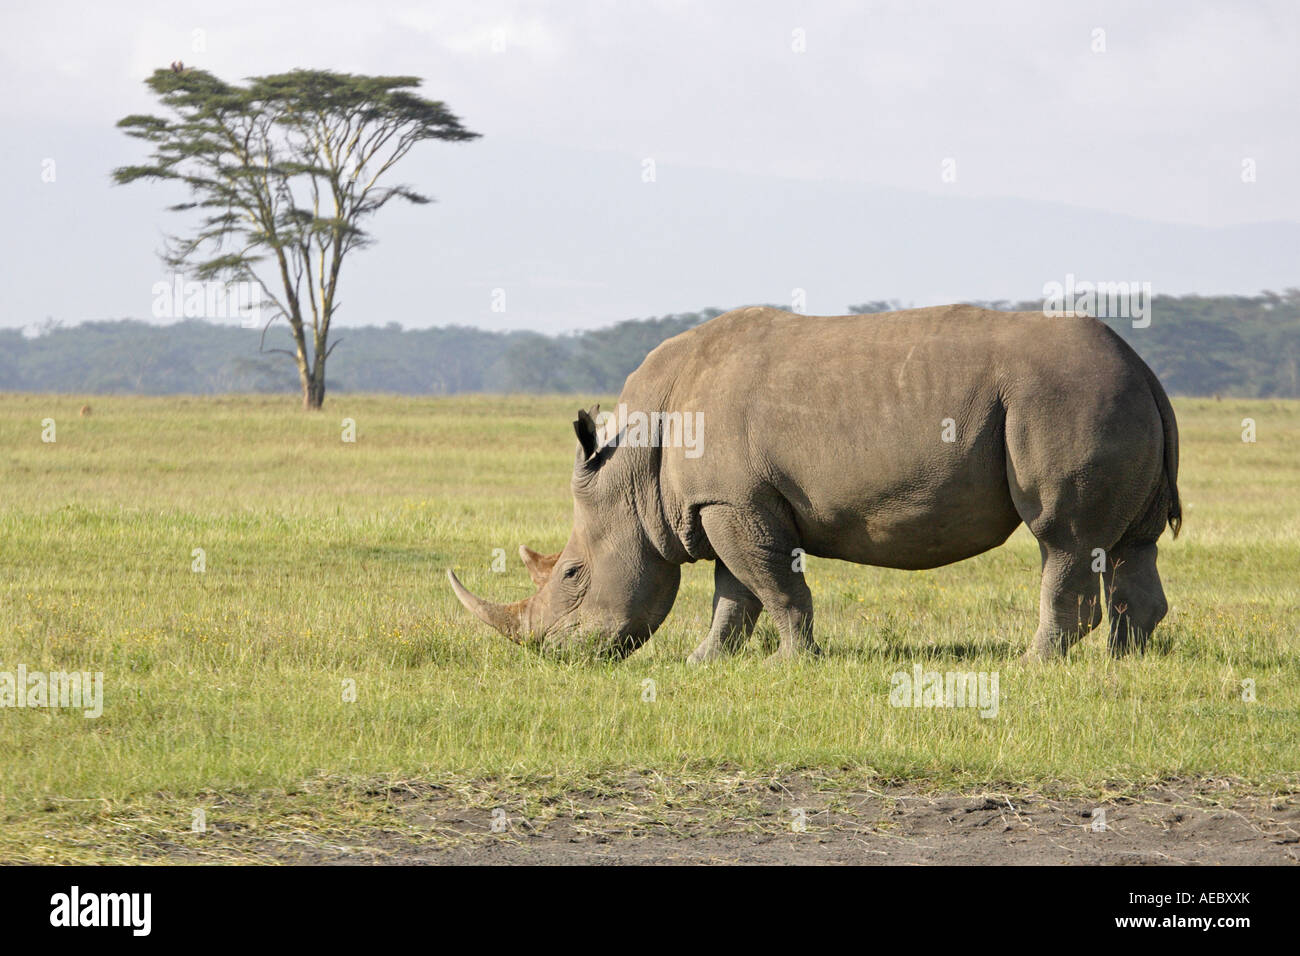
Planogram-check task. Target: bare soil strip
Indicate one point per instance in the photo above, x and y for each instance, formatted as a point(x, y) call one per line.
point(791, 820)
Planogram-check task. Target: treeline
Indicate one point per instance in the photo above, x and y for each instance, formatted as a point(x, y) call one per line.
point(1230, 345)
point(198, 357)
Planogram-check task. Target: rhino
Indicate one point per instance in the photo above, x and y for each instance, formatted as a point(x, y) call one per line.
point(910, 439)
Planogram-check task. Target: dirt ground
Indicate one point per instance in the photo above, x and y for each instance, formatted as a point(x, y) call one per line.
point(795, 821)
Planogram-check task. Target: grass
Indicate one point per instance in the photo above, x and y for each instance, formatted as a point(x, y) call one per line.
point(225, 689)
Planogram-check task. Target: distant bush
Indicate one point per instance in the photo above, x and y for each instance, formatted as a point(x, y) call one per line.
point(1247, 346)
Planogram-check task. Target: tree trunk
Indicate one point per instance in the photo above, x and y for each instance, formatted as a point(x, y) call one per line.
point(311, 368)
point(313, 390)
point(311, 374)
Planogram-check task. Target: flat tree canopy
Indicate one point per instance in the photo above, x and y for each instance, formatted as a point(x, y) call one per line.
point(285, 169)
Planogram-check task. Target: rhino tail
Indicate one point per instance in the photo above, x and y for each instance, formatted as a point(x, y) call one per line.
point(1170, 425)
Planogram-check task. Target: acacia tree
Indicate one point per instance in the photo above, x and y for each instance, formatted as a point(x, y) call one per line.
point(284, 169)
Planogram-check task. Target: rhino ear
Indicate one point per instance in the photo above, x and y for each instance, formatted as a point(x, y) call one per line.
point(585, 429)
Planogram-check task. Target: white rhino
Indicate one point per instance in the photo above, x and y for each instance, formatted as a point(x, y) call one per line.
point(904, 440)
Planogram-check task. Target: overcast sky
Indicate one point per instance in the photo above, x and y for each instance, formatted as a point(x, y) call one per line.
point(796, 145)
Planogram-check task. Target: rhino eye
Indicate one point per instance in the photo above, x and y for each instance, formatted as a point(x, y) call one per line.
point(571, 571)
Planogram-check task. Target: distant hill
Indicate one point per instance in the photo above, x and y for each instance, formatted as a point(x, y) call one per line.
point(1246, 346)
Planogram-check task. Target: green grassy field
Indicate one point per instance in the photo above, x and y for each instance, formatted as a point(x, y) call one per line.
point(225, 689)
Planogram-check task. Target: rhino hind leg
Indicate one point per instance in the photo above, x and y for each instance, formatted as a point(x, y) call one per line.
point(759, 551)
point(1135, 598)
point(1082, 498)
point(735, 611)
point(1069, 602)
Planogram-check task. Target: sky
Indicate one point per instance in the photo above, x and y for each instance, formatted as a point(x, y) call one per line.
point(925, 152)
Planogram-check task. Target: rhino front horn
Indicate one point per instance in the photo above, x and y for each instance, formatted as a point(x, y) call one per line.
point(504, 617)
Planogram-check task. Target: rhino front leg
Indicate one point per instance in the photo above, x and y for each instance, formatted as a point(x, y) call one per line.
point(735, 611)
point(759, 551)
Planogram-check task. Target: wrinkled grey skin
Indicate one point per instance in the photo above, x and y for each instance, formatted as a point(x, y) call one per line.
point(826, 434)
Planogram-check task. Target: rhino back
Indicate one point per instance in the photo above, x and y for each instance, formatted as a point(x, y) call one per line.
point(885, 436)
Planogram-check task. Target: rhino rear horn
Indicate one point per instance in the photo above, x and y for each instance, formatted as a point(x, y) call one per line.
point(539, 565)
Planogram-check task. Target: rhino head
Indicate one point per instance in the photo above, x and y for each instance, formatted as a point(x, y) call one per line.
point(610, 588)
